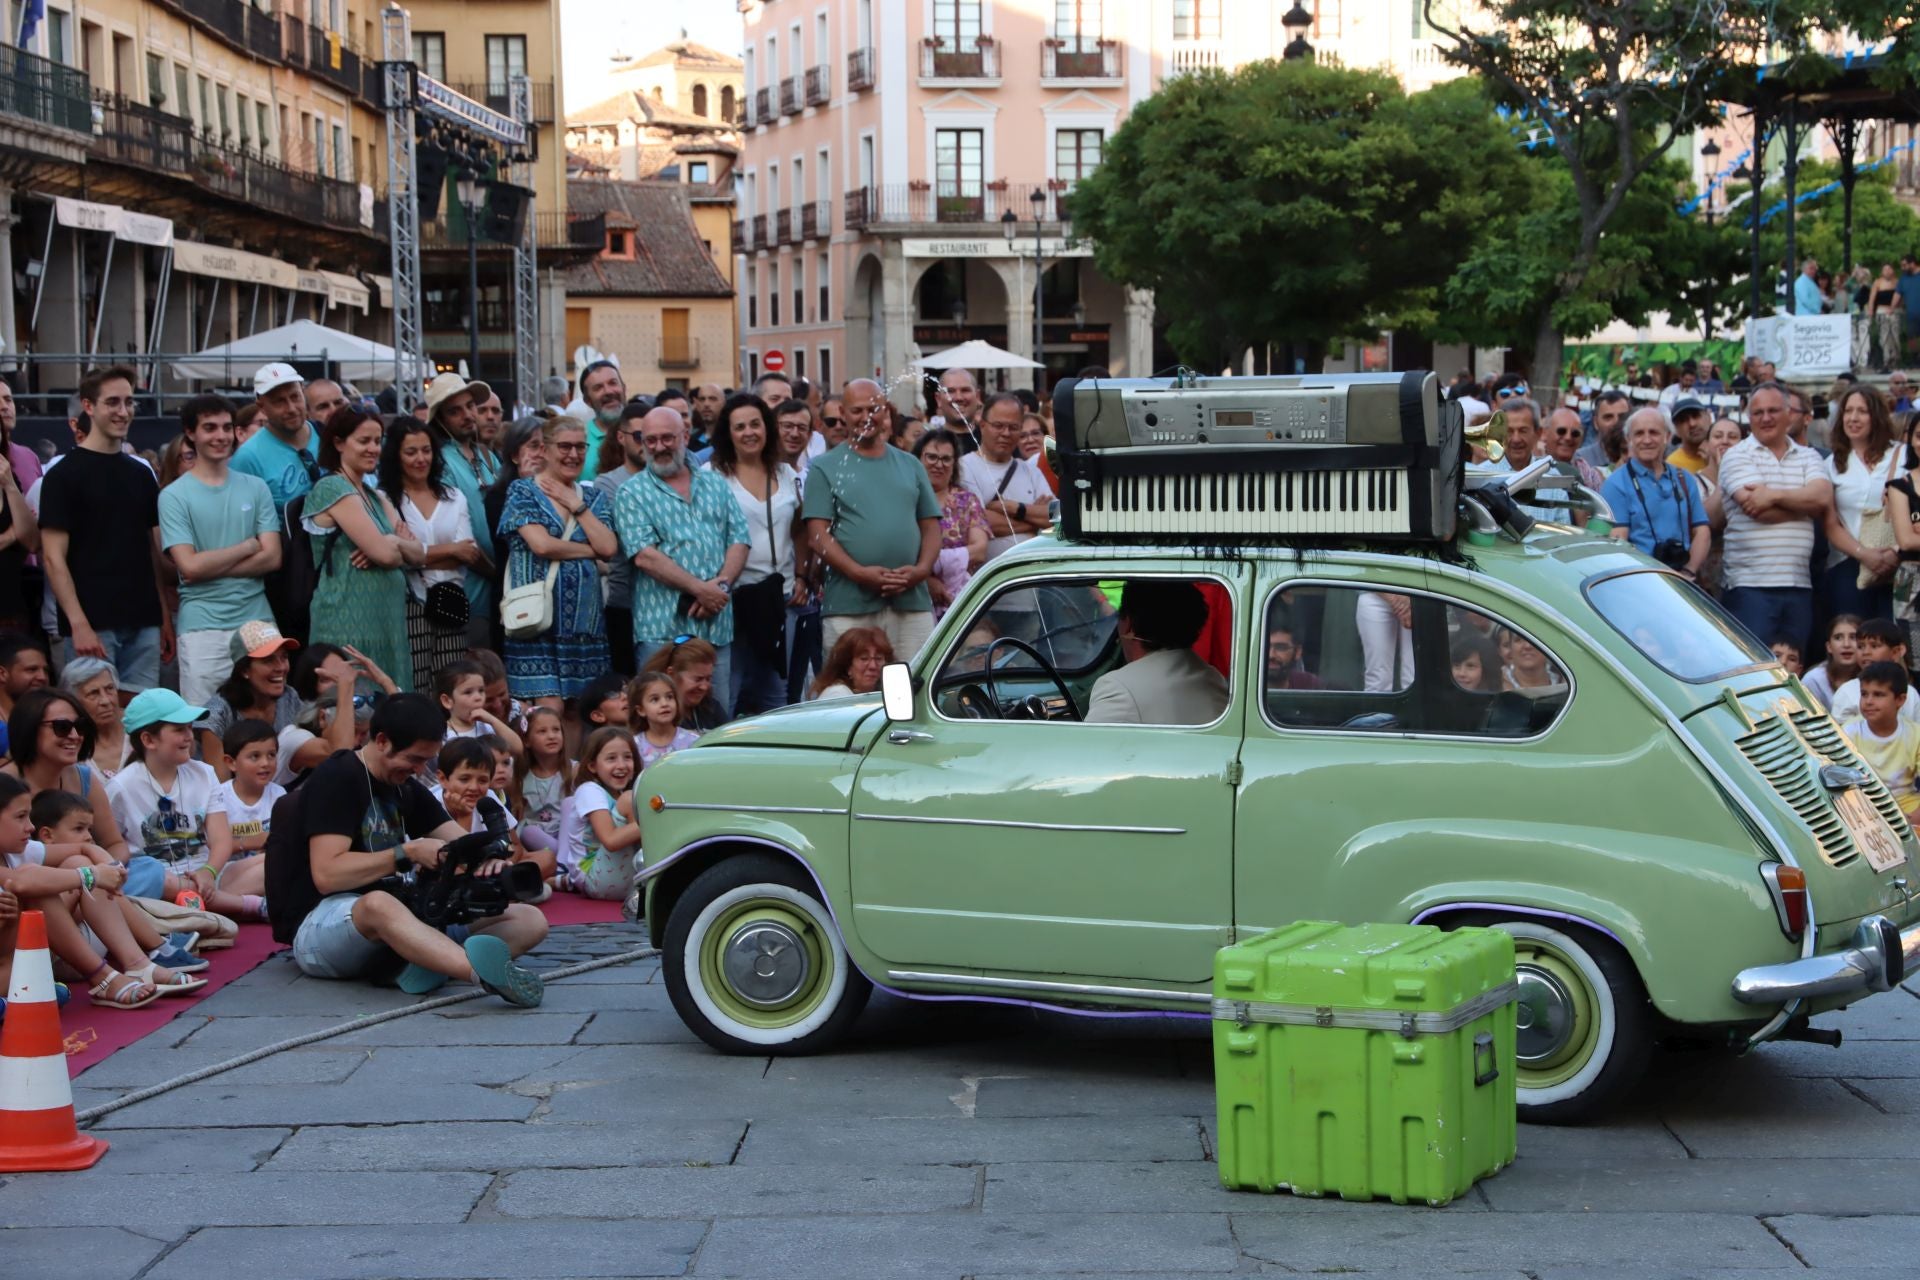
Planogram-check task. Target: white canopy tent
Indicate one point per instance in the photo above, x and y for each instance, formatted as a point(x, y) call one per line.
point(354, 358)
point(975, 355)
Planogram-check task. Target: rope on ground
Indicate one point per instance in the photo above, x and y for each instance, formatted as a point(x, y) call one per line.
point(356, 1024)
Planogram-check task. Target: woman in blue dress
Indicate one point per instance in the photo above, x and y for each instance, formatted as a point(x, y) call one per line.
point(551, 521)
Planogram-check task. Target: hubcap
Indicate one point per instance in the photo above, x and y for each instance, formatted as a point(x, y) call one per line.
point(1543, 1018)
point(766, 964)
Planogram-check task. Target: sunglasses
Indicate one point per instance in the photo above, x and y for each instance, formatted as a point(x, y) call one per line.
point(681, 639)
point(1509, 393)
point(63, 728)
point(831, 422)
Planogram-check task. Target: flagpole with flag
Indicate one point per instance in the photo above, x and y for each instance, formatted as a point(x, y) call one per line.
point(32, 13)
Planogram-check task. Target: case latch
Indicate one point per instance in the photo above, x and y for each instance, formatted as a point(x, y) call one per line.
point(1242, 1013)
point(1485, 1069)
point(1323, 1015)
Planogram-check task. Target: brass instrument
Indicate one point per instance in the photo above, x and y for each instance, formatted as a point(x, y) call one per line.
point(1488, 439)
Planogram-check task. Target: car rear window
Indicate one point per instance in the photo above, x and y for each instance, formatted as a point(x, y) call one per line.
point(1675, 625)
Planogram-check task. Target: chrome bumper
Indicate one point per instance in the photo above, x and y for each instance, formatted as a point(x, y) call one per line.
point(1876, 958)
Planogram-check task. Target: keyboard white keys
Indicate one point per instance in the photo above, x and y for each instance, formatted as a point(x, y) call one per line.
point(1357, 501)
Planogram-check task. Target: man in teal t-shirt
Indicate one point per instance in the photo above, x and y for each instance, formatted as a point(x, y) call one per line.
point(453, 414)
point(221, 530)
point(871, 512)
point(285, 453)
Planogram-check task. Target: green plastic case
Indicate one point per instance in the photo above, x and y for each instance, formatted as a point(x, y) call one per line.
point(1365, 1061)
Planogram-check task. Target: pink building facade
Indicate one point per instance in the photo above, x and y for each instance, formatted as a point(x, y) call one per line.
point(888, 141)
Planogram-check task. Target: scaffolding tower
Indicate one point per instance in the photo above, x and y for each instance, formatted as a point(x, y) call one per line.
point(526, 272)
point(408, 95)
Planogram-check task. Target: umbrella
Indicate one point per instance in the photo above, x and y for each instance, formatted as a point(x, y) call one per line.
point(975, 355)
point(354, 358)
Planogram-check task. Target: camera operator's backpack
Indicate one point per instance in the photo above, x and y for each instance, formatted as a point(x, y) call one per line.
point(286, 854)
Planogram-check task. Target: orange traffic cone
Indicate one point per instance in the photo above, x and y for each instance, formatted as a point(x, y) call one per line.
point(37, 1132)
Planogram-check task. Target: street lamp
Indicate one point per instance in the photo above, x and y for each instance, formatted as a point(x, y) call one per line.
point(468, 185)
point(1038, 199)
point(1297, 21)
point(1710, 153)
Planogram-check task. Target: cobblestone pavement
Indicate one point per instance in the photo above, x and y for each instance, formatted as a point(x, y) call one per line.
point(596, 1137)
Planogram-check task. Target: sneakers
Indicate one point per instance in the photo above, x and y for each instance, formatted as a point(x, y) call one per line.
point(178, 959)
point(416, 981)
point(497, 972)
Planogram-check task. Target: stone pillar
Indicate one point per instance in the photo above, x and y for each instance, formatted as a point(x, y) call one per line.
point(1138, 353)
point(1016, 276)
point(896, 325)
point(9, 320)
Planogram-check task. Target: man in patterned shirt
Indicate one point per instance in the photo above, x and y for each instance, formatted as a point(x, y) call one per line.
point(688, 540)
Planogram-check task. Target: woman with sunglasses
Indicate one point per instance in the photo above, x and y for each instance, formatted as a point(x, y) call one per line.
point(361, 548)
point(551, 523)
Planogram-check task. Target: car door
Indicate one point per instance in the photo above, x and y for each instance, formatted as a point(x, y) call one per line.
point(1024, 842)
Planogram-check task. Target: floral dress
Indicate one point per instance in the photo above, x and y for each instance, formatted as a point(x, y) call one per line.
point(561, 661)
point(958, 514)
point(365, 608)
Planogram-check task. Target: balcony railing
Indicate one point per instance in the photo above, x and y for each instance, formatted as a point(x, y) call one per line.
point(819, 85)
point(144, 137)
point(938, 61)
point(740, 235)
point(790, 96)
point(1079, 60)
point(332, 57)
point(43, 91)
point(679, 351)
point(783, 226)
point(763, 106)
point(816, 219)
point(920, 203)
point(859, 70)
point(1191, 56)
point(552, 230)
point(760, 240)
point(500, 98)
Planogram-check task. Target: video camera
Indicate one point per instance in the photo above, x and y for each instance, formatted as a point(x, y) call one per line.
point(454, 893)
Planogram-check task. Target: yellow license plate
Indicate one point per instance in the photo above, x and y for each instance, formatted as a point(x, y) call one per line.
point(1871, 833)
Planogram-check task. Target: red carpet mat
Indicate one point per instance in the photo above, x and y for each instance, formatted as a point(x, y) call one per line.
point(92, 1034)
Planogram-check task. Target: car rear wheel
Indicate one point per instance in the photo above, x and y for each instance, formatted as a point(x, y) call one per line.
point(754, 964)
point(1583, 1025)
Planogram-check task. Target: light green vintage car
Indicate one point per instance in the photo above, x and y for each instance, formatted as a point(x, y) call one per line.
point(1548, 733)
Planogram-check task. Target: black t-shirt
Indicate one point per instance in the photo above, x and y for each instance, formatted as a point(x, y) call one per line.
point(108, 504)
point(340, 798)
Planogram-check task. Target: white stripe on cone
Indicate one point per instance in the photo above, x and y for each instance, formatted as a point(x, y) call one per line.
point(35, 1084)
point(32, 977)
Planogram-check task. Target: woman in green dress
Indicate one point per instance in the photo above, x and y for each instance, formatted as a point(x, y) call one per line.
point(360, 549)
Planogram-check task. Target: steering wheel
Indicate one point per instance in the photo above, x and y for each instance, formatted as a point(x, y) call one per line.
point(989, 678)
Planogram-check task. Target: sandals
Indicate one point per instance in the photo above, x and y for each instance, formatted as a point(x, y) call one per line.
point(174, 984)
point(129, 996)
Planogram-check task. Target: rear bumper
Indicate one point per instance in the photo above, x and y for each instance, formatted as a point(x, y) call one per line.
point(1876, 958)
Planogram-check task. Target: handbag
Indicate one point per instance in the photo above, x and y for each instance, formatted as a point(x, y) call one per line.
point(447, 607)
point(1876, 534)
point(527, 610)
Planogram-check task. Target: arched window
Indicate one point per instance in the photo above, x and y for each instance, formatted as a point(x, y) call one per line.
point(726, 102)
point(700, 100)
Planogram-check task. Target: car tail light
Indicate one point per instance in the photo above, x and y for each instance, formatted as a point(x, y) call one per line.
point(1788, 885)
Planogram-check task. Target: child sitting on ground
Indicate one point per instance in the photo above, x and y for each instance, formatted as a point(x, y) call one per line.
point(462, 689)
point(542, 780)
point(653, 699)
point(466, 773)
point(1886, 739)
point(603, 702)
point(1877, 640)
point(245, 802)
point(63, 823)
point(599, 837)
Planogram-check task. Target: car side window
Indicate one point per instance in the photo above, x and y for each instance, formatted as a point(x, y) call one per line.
point(1389, 662)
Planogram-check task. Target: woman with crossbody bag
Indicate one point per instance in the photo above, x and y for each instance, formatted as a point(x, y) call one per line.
point(552, 612)
point(412, 476)
point(361, 550)
point(746, 453)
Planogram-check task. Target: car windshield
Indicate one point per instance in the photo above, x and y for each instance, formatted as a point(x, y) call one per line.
point(1681, 629)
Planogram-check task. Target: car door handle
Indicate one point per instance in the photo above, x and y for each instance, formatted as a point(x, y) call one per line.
point(901, 737)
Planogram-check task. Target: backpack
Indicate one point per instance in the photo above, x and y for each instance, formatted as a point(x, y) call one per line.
point(290, 588)
point(286, 855)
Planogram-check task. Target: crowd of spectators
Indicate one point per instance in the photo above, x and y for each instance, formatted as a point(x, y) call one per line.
point(296, 615)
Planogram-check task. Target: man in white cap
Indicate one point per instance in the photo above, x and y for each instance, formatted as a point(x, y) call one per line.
point(453, 415)
point(286, 454)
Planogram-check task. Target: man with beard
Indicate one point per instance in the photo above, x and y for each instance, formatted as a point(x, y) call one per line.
point(958, 406)
point(453, 416)
point(605, 393)
point(688, 539)
point(286, 454)
point(707, 399)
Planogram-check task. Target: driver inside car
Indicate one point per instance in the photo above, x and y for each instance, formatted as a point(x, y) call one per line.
point(1163, 681)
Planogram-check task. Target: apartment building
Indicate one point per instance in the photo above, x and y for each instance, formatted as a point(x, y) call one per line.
point(226, 179)
point(904, 156)
point(477, 47)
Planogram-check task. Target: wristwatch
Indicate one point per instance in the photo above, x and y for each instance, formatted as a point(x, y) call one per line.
point(579, 511)
point(726, 587)
point(401, 862)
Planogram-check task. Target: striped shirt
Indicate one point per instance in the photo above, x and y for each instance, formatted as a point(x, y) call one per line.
point(1760, 554)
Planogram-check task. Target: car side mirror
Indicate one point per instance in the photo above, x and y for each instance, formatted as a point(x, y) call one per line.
point(896, 691)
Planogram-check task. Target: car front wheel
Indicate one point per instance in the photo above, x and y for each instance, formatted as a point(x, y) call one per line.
point(1583, 1025)
point(754, 964)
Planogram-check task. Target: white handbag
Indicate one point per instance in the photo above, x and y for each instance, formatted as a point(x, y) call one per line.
point(527, 610)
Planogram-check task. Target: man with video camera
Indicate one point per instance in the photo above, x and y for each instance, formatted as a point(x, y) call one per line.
point(350, 859)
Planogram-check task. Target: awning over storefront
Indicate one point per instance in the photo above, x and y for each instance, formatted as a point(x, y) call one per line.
point(385, 285)
point(234, 264)
point(139, 228)
point(340, 290)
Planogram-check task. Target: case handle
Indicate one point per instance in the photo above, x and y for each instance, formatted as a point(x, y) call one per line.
point(1485, 1069)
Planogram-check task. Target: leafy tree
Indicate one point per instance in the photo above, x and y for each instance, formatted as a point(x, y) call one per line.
point(1615, 83)
point(1883, 227)
point(1293, 203)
